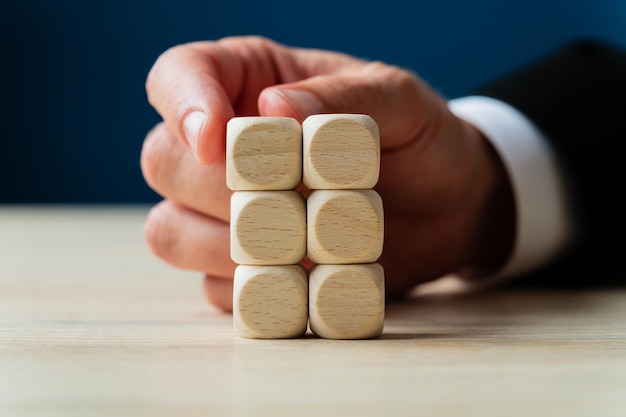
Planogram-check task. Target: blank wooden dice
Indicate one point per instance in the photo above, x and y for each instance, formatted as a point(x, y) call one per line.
point(263, 153)
point(270, 302)
point(267, 227)
point(344, 226)
point(347, 301)
point(339, 226)
point(341, 151)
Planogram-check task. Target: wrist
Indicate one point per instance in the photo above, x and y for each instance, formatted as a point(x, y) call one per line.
point(491, 231)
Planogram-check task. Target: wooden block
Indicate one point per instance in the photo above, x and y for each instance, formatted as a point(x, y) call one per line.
point(270, 302)
point(344, 226)
point(347, 301)
point(267, 227)
point(263, 153)
point(341, 151)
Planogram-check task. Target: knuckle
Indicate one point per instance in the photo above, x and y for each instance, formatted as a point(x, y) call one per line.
point(160, 232)
point(381, 70)
point(153, 76)
point(250, 40)
point(150, 81)
point(405, 79)
point(160, 67)
point(250, 47)
point(153, 157)
point(259, 41)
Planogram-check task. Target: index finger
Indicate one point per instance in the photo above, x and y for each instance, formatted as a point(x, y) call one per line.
point(198, 87)
point(194, 96)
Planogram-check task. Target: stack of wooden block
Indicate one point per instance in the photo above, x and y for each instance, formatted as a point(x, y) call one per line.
point(339, 226)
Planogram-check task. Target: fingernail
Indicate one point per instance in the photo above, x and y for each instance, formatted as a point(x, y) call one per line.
point(192, 126)
point(303, 102)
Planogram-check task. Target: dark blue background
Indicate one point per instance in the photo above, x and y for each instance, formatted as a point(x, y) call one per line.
point(74, 110)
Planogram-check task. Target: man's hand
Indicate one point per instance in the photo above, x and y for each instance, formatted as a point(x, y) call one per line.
point(447, 200)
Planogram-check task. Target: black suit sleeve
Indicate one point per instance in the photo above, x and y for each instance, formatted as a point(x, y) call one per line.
point(577, 98)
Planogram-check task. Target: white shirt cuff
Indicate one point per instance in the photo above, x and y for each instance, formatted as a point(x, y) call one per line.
point(544, 226)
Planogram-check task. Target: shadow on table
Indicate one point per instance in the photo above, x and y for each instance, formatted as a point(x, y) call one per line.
point(440, 315)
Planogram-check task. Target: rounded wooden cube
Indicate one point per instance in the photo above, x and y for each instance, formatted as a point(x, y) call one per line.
point(267, 227)
point(341, 151)
point(270, 302)
point(263, 153)
point(347, 301)
point(344, 226)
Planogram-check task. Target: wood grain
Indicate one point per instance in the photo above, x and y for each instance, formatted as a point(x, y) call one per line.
point(270, 302)
point(341, 151)
point(267, 227)
point(91, 324)
point(347, 301)
point(344, 226)
point(263, 153)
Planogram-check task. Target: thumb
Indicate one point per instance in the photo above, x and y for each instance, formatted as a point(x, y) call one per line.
point(396, 99)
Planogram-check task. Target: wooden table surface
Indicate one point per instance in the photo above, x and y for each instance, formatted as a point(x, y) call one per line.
point(91, 324)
